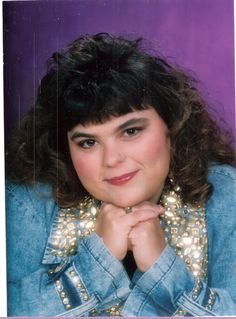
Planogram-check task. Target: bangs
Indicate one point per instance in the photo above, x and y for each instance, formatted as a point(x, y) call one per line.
point(109, 78)
point(98, 102)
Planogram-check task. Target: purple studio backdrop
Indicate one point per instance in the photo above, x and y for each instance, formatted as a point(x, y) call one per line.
point(196, 34)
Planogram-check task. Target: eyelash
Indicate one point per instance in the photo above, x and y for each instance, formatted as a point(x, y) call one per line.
point(82, 144)
point(135, 130)
point(129, 132)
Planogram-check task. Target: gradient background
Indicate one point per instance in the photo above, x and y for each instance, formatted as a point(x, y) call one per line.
point(196, 34)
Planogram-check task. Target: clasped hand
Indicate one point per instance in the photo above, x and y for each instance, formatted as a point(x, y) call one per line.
point(139, 231)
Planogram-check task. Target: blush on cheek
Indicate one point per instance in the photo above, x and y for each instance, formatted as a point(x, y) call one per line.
point(76, 158)
point(157, 148)
point(81, 168)
point(87, 174)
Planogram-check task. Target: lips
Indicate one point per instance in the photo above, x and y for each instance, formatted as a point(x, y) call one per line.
point(122, 179)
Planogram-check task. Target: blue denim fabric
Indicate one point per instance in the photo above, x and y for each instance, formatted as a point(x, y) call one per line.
point(161, 291)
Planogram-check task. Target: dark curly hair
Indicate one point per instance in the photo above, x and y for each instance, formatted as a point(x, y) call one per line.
point(100, 76)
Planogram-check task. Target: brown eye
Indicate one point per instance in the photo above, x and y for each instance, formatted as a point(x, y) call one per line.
point(89, 143)
point(132, 131)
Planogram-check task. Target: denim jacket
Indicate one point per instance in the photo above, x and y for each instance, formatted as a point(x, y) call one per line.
point(92, 282)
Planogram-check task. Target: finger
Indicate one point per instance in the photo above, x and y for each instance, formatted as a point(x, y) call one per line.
point(148, 205)
point(139, 216)
point(110, 209)
point(150, 223)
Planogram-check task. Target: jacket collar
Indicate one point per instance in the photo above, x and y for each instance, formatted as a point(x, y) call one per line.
point(69, 225)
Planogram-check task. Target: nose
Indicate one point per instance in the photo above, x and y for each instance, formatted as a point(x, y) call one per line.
point(113, 154)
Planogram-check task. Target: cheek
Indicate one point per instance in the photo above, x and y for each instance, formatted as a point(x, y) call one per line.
point(157, 150)
point(81, 167)
point(82, 164)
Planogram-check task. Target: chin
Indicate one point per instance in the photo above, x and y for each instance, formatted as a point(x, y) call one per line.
point(129, 201)
point(133, 201)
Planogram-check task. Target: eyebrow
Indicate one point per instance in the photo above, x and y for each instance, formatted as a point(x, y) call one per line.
point(133, 121)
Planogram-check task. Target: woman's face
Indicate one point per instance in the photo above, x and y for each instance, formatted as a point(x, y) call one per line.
point(123, 161)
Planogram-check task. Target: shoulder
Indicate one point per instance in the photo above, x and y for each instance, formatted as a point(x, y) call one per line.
point(222, 202)
point(28, 190)
point(37, 196)
point(219, 173)
point(29, 205)
point(29, 214)
point(30, 202)
point(223, 180)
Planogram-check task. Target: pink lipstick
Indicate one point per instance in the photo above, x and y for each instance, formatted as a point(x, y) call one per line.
point(122, 179)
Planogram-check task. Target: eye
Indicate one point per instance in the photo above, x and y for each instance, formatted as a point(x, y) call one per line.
point(132, 131)
point(89, 143)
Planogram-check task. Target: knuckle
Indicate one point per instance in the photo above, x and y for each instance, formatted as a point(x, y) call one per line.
point(143, 233)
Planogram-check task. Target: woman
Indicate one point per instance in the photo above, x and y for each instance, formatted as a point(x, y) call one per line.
point(122, 192)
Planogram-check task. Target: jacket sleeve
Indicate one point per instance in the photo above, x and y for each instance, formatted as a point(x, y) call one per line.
point(91, 282)
point(169, 288)
point(87, 283)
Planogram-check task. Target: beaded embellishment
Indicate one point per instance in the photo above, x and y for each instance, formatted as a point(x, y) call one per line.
point(185, 230)
point(72, 224)
point(184, 227)
point(62, 294)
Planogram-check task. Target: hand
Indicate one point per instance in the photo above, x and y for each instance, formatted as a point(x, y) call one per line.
point(146, 239)
point(113, 225)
